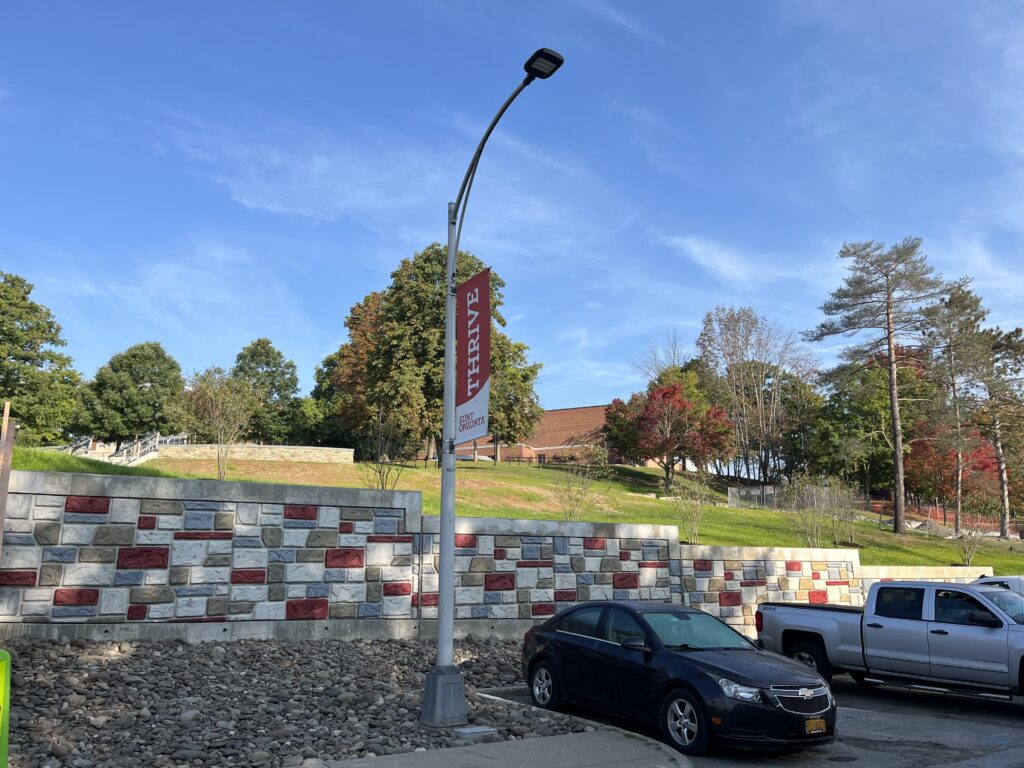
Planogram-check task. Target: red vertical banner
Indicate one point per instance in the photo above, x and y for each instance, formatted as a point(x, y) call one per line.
point(473, 357)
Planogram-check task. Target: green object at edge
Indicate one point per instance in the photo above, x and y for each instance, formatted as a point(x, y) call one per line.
point(5, 704)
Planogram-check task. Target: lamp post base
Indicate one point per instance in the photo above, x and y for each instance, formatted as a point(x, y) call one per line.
point(444, 698)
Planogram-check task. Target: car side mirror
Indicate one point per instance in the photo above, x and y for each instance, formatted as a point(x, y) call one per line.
point(984, 619)
point(635, 644)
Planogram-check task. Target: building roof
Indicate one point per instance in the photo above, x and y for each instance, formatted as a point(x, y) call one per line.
point(557, 428)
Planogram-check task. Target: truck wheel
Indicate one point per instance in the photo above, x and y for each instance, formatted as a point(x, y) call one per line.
point(814, 656)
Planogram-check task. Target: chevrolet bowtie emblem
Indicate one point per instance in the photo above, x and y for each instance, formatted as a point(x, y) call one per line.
point(806, 693)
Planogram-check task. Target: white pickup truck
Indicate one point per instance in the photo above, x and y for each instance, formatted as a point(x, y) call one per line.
point(952, 638)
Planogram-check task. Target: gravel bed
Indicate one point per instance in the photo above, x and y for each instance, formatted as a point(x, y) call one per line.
point(251, 703)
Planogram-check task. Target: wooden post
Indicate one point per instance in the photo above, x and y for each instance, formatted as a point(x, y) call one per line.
point(7, 430)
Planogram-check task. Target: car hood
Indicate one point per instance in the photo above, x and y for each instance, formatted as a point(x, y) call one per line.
point(753, 667)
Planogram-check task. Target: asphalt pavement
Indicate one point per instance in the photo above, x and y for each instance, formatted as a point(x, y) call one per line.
point(884, 727)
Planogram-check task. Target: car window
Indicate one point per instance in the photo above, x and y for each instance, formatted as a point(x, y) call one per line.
point(582, 622)
point(694, 631)
point(620, 626)
point(899, 603)
point(1010, 602)
point(953, 607)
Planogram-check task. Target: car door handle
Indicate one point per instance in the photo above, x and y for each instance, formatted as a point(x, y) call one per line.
point(874, 625)
point(938, 632)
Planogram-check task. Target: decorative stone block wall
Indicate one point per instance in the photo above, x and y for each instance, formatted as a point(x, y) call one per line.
point(524, 569)
point(146, 550)
point(253, 452)
point(84, 548)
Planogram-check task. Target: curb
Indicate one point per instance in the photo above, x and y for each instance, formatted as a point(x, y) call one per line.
point(674, 759)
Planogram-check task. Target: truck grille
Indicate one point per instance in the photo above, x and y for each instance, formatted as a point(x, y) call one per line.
point(798, 701)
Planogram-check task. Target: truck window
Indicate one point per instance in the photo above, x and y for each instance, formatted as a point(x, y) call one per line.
point(899, 603)
point(955, 607)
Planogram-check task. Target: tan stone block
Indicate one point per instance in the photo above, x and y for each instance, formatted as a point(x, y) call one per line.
point(481, 564)
point(179, 575)
point(49, 574)
point(271, 537)
point(218, 606)
point(806, 584)
point(783, 582)
point(154, 594)
point(343, 610)
point(819, 566)
point(716, 585)
point(322, 538)
point(734, 565)
point(472, 579)
point(97, 555)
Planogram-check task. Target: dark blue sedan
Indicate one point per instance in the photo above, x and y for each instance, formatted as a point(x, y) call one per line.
point(680, 669)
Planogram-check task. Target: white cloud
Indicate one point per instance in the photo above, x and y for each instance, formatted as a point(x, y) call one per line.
point(611, 14)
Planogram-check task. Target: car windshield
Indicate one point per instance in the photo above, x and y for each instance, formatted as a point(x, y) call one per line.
point(1011, 603)
point(694, 631)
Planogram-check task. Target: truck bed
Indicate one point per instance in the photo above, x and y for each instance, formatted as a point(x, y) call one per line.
point(819, 607)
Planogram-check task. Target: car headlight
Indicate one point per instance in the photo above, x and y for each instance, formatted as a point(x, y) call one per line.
point(739, 692)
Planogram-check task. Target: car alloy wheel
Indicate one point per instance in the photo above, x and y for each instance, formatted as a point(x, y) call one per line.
point(544, 687)
point(806, 659)
point(684, 723)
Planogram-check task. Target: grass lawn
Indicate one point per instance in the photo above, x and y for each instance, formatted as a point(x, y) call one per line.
point(485, 490)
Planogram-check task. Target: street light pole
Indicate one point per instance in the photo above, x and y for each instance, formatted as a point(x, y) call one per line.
point(444, 697)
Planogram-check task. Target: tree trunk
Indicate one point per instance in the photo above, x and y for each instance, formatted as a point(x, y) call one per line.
point(497, 449)
point(1004, 485)
point(475, 457)
point(898, 497)
point(958, 508)
point(669, 467)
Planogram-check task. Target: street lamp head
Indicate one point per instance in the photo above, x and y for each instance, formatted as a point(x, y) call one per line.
point(543, 64)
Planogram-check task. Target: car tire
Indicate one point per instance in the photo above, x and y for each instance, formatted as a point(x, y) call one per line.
point(813, 656)
point(684, 723)
point(544, 689)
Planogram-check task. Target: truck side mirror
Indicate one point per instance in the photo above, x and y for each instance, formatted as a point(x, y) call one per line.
point(984, 619)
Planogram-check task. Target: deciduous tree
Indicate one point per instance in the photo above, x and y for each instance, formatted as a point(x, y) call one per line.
point(132, 394)
point(276, 381)
point(35, 376)
point(218, 408)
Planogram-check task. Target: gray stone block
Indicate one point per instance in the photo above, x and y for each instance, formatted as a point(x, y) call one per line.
point(161, 507)
point(223, 521)
point(275, 573)
point(310, 556)
point(217, 561)
point(276, 592)
point(343, 610)
point(114, 536)
point(240, 607)
point(271, 537)
point(178, 575)
point(373, 592)
point(356, 513)
point(322, 539)
point(46, 533)
point(217, 606)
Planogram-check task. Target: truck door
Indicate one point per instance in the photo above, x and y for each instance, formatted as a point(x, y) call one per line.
point(963, 649)
point(895, 633)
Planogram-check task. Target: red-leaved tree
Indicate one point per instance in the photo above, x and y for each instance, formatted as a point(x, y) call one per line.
point(662, 425)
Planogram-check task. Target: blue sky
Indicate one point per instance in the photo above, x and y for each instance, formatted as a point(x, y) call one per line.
point(204, 174)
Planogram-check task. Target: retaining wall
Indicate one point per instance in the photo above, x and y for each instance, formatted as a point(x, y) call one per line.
point(253, 452)
point(117, 555)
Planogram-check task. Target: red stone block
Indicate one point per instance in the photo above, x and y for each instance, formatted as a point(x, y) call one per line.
point(429, 598)
point(624, 554)
point(307, 608)
point(817, 596)
point(838, 583)
point(728, 576)
point(702, 565)
point(626, 580)
point(794, 565)
point(143, 557)
point(300, 511)
point(535, 564)
point(397, 588)
point(753, 583)
point(218, 535)
point(465, 540)
point(91, 505)
point(147, 523)
point(543, 609)
point(11, 578)
point(499, 554)
point(815, 575)
point(594, 543)
point(565, 595)
point(346, 526)
point(499, 582)
point(137, 612)
point(346, 557)
point(390, 538)
point(248, 576)
point(199, 620)
point(76, 597)
point(653, 564)
point(730, 598)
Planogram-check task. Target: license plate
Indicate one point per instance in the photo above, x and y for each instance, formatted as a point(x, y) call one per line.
point(815, 725)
